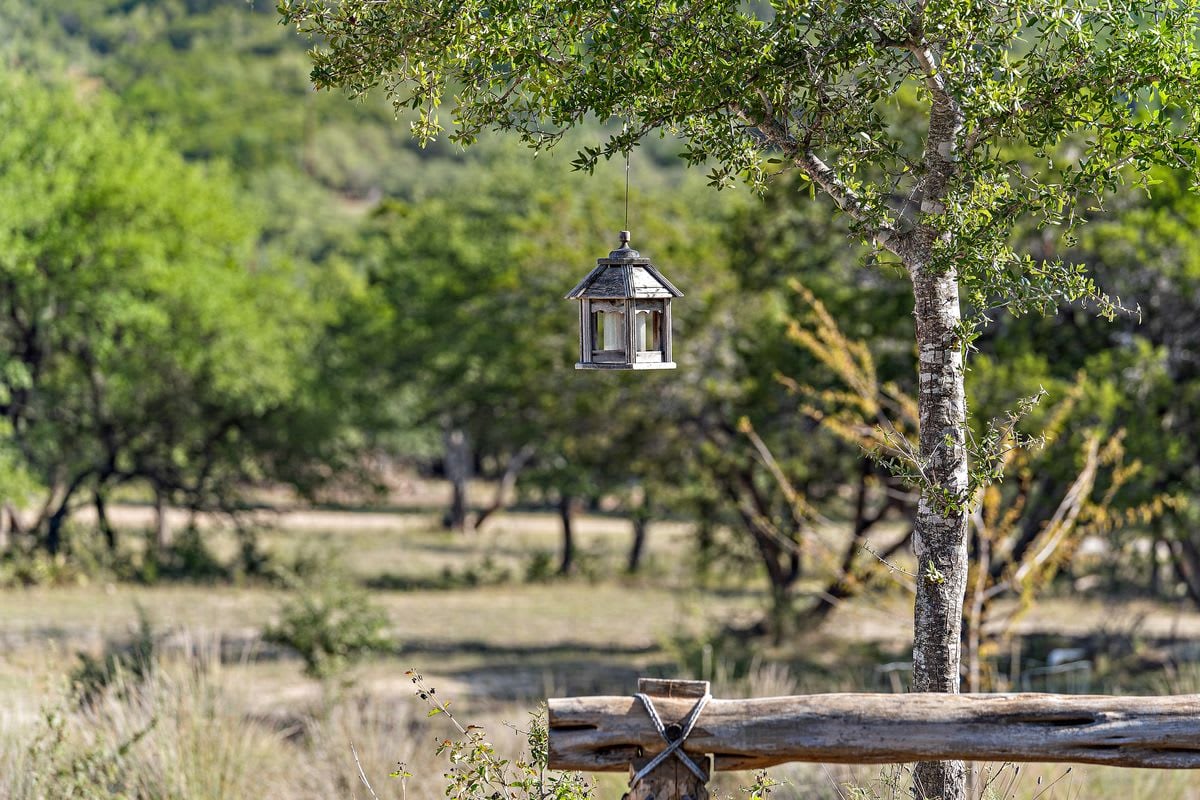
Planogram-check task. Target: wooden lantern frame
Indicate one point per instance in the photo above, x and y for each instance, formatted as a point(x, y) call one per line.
point(623, 288)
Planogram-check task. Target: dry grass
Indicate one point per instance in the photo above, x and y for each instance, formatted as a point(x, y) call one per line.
point(193, 730)
point(205, 738)
point(246, 724)
point(991, 782)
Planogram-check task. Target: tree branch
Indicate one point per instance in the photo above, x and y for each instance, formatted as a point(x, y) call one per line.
point(820, 173)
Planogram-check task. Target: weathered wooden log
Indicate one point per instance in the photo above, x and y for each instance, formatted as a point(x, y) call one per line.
point(607, 734)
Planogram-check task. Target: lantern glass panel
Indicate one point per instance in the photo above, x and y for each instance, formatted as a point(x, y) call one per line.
point(648, 325)
point(609, 330)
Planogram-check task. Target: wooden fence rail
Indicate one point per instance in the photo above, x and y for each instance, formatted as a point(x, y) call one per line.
point(606, 734)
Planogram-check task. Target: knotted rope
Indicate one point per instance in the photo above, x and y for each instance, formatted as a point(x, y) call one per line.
point(674, 746)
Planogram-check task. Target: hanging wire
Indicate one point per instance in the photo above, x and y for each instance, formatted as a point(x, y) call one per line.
point(624, 130)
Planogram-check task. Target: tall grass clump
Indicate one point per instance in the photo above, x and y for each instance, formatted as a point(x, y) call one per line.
point(163, 731)
point(186, 729)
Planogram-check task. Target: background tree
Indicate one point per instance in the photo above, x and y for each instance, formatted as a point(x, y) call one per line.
point(1096, 87)
point(143, 340)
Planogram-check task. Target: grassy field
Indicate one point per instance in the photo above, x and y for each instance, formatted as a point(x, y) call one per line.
point(234, 717)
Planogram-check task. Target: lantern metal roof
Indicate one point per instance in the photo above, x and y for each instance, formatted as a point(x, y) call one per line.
point(625, 274)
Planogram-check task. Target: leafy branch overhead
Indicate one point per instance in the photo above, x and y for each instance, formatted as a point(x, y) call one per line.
point(1032, 111)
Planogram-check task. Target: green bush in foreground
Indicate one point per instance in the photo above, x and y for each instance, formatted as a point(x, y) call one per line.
point(476, 772)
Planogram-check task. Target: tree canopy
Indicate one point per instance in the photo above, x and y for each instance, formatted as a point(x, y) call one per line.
point(143, 337)
point(1085, 87)
point(1096, 92)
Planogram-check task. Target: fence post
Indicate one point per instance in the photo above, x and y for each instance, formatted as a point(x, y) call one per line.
point(671, 779)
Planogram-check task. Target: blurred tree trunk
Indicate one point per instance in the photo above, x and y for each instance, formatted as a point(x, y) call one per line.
point(639, 517)
point(54, 530)
point(1155, 578)
point(14, 521)
point(637, 547)
point(507, 486)
point(103, 523)
point(162, 531)
point(706, 522)
point(1186, 560)
point(457, 466)
point(54, 524)
point(566, 512)
point(779, 550)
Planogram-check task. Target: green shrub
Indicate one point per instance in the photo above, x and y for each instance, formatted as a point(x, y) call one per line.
point(540, 567)
point(38, 568)
point(171, 734)
point(187, 557)
point(330, 623)
point(60, 768)
point(477, 772)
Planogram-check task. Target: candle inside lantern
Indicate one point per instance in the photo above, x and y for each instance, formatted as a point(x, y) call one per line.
point(612, 327)
point(648, 338)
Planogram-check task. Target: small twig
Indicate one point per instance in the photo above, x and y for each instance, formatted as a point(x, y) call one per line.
point(891, 567)
point(361, 774)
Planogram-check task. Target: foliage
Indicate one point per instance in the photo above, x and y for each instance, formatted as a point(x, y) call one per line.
point(186, 557)
point(1089, 88)
point(146, 340)
point(762, 787)
point(129, 318)
point(330, 623)
point(20, 568)
point(470, 284)
point(315, 293)
point(476, 772)
point(1134, 374)
point(59, 771)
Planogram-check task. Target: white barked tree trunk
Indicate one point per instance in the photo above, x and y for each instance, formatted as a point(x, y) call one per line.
point(940, 533)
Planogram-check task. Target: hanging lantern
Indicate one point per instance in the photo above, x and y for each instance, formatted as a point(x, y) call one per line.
point(624, 313)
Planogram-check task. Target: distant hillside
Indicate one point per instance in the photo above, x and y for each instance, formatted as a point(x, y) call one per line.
point(224, 80)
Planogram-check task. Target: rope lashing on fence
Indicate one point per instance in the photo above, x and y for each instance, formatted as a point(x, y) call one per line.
point(674, 743)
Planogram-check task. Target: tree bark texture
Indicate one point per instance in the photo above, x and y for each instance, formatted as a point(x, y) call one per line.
point(940, 533)
point(606, 734)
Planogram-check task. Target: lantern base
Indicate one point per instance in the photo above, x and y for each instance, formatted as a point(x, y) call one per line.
point(626, 365)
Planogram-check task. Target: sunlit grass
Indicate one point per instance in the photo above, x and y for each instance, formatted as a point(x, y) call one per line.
point(498, 648)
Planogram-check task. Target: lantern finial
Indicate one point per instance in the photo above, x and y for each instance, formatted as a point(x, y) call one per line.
point(624, 238)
